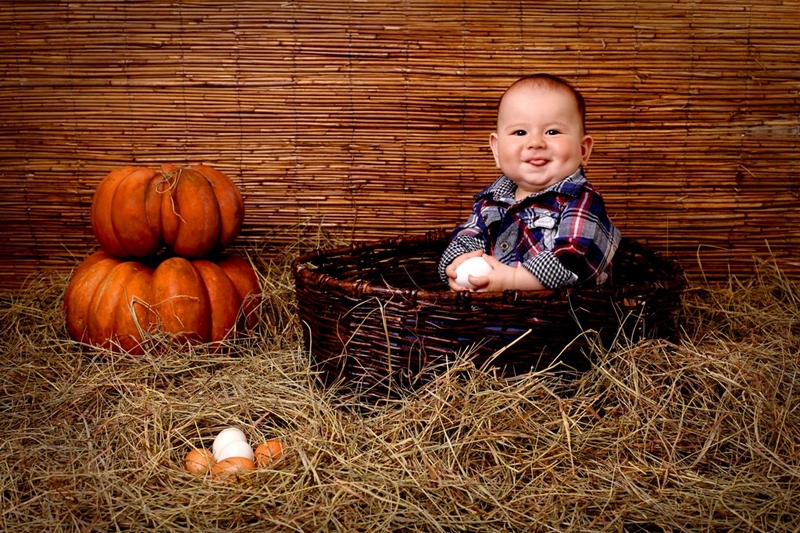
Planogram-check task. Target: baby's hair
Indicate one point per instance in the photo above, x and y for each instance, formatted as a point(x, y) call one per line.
point(550, 81)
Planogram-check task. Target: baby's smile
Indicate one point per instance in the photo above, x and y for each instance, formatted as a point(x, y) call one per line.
point(536, 161)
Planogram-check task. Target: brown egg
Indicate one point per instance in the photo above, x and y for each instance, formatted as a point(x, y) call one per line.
point(269, 451)
point(232, 467)
point(199, 461)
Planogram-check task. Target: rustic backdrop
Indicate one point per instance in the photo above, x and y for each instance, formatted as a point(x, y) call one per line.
point(372, 119)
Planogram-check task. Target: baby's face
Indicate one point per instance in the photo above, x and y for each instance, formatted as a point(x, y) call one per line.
point(539, 139)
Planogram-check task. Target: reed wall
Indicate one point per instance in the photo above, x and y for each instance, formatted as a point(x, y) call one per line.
point(372, 119)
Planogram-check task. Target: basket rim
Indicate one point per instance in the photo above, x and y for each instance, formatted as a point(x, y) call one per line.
point(304, 273)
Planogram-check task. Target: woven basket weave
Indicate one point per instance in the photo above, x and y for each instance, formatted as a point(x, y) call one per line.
point(377, 317)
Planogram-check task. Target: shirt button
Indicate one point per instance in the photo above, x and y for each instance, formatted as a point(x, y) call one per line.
point(504, 246)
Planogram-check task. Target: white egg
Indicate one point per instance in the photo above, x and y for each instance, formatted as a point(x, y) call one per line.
point(237, 448)
point(225, 437)
point(474, 266)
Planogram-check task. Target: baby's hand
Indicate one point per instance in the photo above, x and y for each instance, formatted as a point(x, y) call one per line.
point(499, 279)
point(451, 269)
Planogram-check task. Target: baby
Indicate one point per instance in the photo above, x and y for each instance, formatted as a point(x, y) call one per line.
point(540, 225)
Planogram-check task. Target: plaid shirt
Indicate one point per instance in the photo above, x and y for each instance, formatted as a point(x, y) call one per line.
point(562, 234)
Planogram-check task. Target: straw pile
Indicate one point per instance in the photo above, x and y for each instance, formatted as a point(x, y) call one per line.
point(696, 436)
point(374, 120)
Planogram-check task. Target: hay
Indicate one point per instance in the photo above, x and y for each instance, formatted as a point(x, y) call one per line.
point(696, 436)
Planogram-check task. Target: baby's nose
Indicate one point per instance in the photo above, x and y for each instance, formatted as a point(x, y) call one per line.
point(535, 140)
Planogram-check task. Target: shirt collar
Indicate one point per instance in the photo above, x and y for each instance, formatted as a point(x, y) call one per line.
point(503, 189)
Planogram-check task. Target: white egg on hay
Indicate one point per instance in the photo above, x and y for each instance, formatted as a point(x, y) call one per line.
point(237, 448)
point(225, 437)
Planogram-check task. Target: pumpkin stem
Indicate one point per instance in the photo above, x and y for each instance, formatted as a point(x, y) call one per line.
point(171, 178)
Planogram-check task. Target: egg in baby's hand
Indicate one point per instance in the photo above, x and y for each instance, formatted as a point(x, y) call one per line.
point(474, 266)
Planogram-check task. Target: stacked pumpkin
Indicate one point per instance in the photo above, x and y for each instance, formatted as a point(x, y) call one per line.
point(163, 266)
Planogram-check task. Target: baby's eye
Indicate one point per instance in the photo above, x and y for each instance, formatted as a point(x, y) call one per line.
point(520, 133)
point(552, 132)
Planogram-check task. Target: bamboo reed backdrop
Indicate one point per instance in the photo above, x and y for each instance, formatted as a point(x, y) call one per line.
point(372, 119)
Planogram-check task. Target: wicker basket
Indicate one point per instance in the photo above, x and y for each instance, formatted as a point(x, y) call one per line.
point(377, 317)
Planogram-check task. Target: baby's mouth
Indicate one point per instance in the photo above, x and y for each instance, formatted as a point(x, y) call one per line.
point(536, 161)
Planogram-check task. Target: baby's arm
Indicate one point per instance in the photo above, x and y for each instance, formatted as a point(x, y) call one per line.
point(504, 277)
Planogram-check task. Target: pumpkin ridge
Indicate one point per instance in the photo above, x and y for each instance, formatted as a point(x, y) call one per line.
point(198, 232)
point(152, 208)
point(102, 209)
point(224, 300)
point(170, 216)
point(229, 203)
point(129, 320)
point(103, 308)
point(181, 300)
point(81, 291)
point(244, 278)
point(129, 202)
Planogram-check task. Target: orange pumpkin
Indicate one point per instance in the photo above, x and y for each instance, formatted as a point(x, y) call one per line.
point(192, 211)
point(111, 303)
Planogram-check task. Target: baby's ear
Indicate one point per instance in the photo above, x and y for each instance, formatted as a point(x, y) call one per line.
point(493, 145)
point(586, 148)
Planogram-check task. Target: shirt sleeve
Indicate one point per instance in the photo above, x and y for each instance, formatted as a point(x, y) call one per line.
point(584, 245)
point(468, 237)
point(549, 270)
